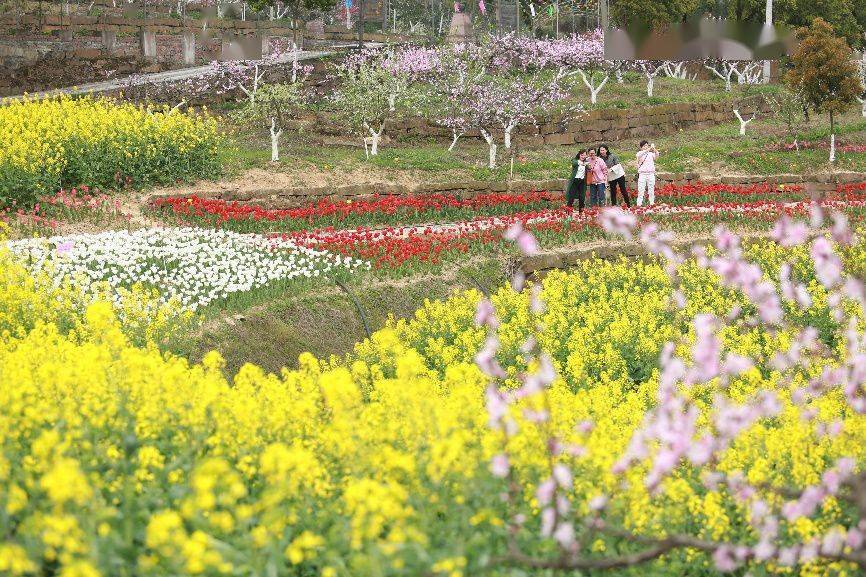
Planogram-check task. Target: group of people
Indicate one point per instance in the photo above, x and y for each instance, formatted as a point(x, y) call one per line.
point(599, 171)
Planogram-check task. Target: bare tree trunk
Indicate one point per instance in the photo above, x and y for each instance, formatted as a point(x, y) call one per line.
point(275, 141)
point(492, 158)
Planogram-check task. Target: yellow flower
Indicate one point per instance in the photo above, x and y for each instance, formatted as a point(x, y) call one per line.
point(65, 482)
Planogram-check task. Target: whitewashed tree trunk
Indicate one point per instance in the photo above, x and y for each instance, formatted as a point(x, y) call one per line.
point(251, 93)
point(863, 105)
point(455, 136)
point(727, 71)
point(374, 138)
point(489, 138)
point(392, 102)
point(832, 148)
point(294, 62)
point(743, 123)
point(507, 131)
point(275, 140)
point(620, 76)
point(590, 83)
point(650, 82)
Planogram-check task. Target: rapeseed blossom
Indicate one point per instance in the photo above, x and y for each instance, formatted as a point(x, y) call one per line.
point(49, 144)
point(379, 463)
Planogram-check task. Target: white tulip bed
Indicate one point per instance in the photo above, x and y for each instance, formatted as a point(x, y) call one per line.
point(196, 266)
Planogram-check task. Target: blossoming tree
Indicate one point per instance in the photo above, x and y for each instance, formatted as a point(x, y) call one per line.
point(371, 90)
point(700, 415)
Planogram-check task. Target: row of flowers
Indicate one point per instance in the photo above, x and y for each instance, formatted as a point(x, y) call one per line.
point(380, 210)
point(373, 210)
point(389, 247)
point(194, 266)
point(65, 207)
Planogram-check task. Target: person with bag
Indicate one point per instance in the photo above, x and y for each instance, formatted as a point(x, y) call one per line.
point(577, 182)
point(615, 174)
point(646, 171)
point(597, 168)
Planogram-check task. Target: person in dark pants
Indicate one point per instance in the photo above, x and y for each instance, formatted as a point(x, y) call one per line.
point(577, 182)
point(616, 174)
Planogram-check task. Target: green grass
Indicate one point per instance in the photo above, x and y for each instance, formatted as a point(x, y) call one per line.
point(324, 320)
point(632, 92)
point(715, 150)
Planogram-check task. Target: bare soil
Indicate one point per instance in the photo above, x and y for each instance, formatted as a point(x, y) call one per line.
point(309, 176)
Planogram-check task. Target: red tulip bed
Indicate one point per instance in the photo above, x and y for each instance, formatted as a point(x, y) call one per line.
point(377, 210)
point(399, 233)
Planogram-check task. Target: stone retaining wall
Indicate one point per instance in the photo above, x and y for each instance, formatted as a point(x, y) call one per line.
point(92, 25)
point(610, 125)
point(296, 197)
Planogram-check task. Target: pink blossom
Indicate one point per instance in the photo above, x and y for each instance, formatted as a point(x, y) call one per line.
point(615, 220)
point(764, 550)
point(486, 358)
point(724, 559)
point(562, 475)
point(598, 503)
point(65, 248)
point(584, 427)
point(564, 535)
point(788, 556)
point(789, 233)
point(833, 542)
point(548, 520)
point(545, 491)
point(499, 465)
point(828, 267)
point(840, 231)
point(485, 314)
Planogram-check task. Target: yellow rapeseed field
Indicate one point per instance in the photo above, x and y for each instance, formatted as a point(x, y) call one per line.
point(121, 460)
point(50, 144)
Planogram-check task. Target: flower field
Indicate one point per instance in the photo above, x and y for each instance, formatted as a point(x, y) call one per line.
point(401, 233)
point(391, 210)
point(48, 145)
point(391, 461)
point(192, 265)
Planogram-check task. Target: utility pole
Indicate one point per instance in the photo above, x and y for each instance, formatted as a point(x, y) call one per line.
point(360, 24)
point(769, 21)
point(557, 19)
